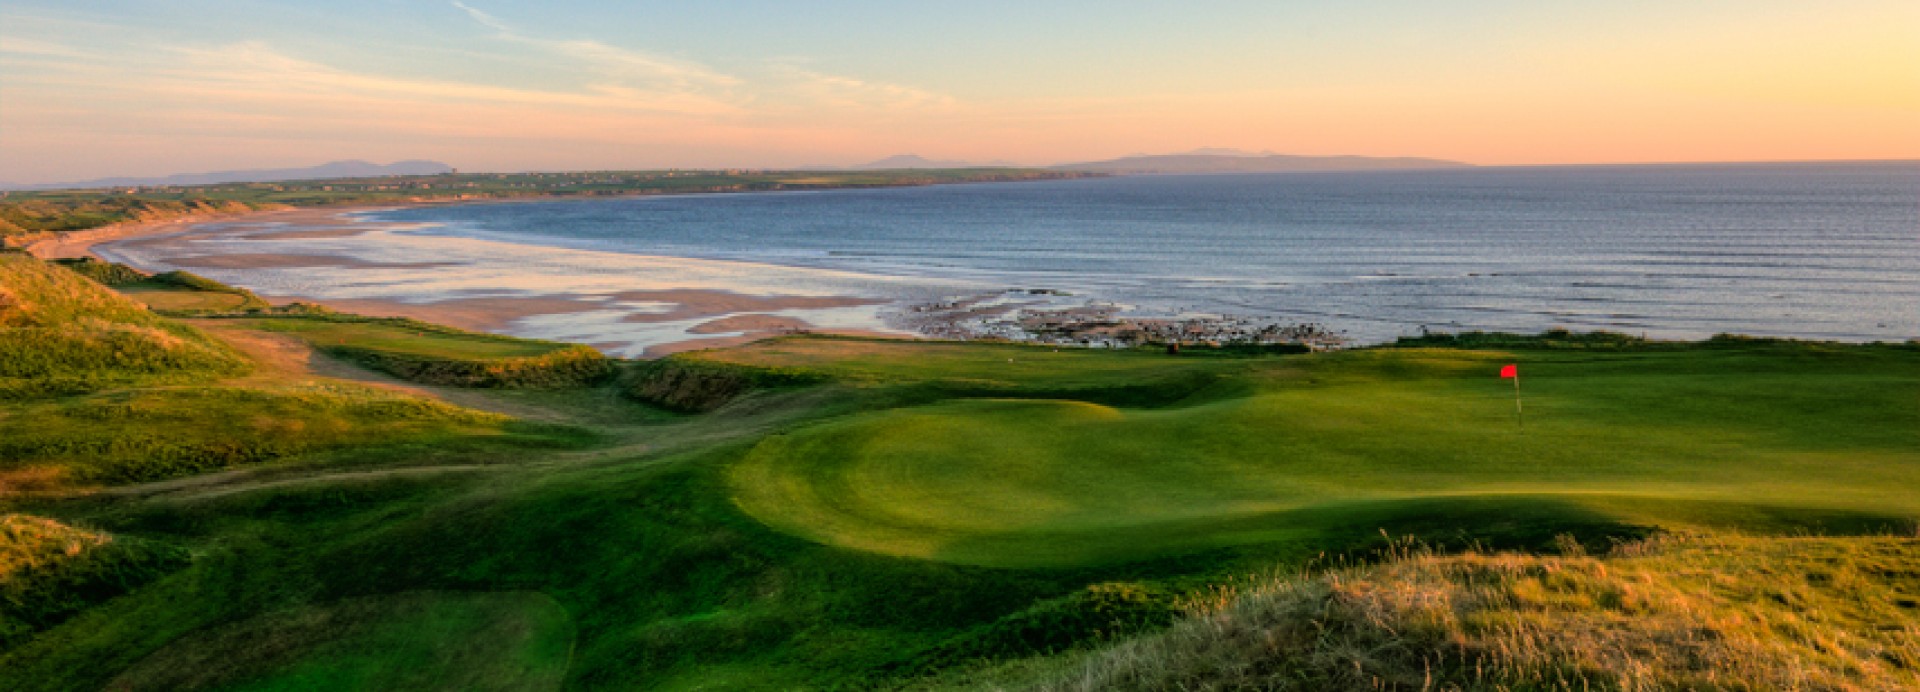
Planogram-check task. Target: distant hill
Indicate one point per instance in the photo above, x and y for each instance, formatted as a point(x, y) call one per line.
point(902, 161)
point(1211, 162)
point(336, 169)
point(912, 161)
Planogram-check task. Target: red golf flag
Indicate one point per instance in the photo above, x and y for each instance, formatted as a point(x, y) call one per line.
point(1510, 371)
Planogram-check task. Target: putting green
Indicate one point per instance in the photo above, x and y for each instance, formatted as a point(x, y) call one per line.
point(1350, 438)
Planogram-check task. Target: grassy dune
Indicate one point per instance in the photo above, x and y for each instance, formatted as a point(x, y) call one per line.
point(49, 571)
point(60, 333)
point(1692, 612)
point(97, 390)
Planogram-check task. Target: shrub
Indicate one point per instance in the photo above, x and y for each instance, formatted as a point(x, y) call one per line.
point(693, 385)
point(573, 366)
point(107, 273)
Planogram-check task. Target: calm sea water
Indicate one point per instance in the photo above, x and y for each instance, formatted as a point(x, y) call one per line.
point(1829, 251)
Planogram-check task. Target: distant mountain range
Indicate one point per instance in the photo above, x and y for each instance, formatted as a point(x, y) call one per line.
point(336, 169)
point(911, 161)
point(1211, 160)
point(1229, 161)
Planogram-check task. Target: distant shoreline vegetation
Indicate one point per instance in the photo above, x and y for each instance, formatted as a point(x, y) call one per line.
point(26, 216)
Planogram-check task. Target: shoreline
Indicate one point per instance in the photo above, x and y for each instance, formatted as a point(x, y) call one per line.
point(73, 244)
point(707, 317)
point(671, 318)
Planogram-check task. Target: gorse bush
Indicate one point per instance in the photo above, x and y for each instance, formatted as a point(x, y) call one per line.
point(691, 384)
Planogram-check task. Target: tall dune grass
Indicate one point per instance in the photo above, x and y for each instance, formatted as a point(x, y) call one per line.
point(1694, 612)
point(62, 334)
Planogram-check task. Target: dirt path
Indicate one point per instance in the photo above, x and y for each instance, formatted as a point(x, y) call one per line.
point(280, 359)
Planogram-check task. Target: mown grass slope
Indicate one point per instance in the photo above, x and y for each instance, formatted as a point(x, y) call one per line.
point(434, 354)
point(1759, 437)
point(137, 435)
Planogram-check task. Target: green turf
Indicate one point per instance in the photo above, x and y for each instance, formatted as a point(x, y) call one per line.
point(64, 334)
point(907, 509)
point(414, 640)
point(403, 337)
point(433, 354)
point(1032, 483)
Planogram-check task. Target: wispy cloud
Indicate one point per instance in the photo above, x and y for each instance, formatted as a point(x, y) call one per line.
point(610, 61)
point(22, 45)
point(257, 68)
point(483, 18)
point(851, 92)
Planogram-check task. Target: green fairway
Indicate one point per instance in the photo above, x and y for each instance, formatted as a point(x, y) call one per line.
point(168, 299)
point(1717, 437)
point(402, 337)
point(433, 354)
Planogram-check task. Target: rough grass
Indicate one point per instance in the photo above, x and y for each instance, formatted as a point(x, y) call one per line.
point(1698, 612)
point(970, 368)
point(144, 435)
point(49, 571)
point(691, 384)
point(60, 333)
point(414, 641)
point(106, 273)
point(433, 354)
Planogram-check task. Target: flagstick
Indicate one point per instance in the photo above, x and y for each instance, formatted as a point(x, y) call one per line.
point(1518, 414)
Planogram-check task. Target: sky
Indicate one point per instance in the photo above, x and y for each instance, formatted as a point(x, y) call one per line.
point(111, 88)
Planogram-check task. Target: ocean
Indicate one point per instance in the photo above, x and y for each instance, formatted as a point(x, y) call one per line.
point(1806, 250)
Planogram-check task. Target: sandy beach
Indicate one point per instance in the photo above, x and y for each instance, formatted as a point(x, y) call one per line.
point(627, 306)
point(81, 243)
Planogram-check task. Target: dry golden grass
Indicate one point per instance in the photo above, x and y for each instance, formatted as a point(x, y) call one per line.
point(1696, 612)
point(31, 543)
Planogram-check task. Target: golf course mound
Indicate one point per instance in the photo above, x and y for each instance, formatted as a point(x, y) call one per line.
point(1798, 441)
point(415, 640)
point(61, 333)
point(1694, 612)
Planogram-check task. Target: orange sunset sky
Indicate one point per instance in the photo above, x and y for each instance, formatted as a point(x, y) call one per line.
point(147, 88)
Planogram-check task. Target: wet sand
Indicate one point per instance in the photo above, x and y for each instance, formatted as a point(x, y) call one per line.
point(749, 323)
point(698, 303)
point(259, 260)
point(81, 243)
point(475, 314)
point(321, 249)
